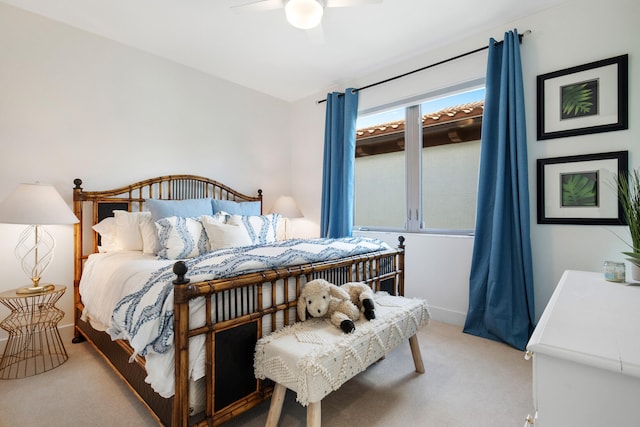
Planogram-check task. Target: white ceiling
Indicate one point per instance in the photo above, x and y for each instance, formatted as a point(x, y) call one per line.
point(262, 51)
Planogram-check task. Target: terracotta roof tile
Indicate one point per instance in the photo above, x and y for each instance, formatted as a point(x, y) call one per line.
point(459, 112)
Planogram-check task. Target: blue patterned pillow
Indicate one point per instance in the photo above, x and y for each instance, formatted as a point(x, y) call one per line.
point(180, 238)
point(261, 228)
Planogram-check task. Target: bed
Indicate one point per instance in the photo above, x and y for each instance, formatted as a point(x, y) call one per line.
point(215, 304)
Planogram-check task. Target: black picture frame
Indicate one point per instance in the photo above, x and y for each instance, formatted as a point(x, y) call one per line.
point(593, 177)
point(585, 99)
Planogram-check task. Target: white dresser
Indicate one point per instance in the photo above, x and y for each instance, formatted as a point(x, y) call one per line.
point(586, 354)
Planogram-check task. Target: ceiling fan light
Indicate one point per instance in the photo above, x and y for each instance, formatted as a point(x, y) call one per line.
point(304, 14)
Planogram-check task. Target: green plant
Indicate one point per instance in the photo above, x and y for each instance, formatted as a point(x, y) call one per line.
point(577, 100)
point(579, 190)
point(630, 201)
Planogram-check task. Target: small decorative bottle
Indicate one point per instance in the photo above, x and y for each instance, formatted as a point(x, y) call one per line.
point(614, 271)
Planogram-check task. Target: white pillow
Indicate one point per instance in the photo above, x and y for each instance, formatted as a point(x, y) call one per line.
point(180, 238)
point(226, 235)
point(218, 218)
point(149, 234)
point(261, 228)
point(128, 229)
point(107, 231)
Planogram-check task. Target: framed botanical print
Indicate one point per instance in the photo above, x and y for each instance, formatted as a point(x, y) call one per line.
point(586, 99)
point(581, 189)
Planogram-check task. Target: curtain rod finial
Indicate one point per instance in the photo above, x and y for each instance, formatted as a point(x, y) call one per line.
point(521, 36)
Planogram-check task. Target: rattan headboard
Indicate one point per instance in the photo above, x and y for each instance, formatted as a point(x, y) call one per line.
point(92, 206)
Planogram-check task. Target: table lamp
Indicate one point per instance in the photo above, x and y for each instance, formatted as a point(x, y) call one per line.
point(287, 207)
point(35, 205)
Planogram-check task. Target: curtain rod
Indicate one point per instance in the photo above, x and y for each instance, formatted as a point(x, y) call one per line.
point(453, 58)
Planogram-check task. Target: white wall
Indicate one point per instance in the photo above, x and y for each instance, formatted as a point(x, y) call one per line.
point(74, 105)
point(574, 33)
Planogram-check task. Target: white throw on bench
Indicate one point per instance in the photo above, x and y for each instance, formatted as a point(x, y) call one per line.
point(314, 358)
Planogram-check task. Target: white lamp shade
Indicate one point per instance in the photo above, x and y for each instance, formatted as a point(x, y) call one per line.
point(304, 14)
point(36, 204)
point(287, 207)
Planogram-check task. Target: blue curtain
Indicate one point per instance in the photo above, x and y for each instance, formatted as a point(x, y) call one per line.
point(336, 219)
point(501, 305)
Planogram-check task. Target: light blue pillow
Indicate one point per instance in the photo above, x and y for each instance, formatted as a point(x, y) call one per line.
point(235, 208)
point(188, 208)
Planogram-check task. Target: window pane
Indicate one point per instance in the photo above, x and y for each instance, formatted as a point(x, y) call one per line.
point(450, 160)
point(380, 170)
point(449, 185)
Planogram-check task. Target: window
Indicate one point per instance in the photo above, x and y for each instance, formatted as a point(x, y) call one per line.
point(416, 166)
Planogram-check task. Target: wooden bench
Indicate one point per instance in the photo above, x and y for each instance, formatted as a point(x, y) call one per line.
point(314, 358)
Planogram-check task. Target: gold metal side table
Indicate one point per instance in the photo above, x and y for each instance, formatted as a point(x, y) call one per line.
point(34, 345)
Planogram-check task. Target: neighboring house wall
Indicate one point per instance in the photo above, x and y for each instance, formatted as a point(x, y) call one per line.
point(574, 33)
point(448, 202)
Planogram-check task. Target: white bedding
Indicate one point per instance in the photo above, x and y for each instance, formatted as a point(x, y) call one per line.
point(117, 284)
point(109, 277)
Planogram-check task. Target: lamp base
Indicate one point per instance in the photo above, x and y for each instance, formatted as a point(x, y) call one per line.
point(35, 289)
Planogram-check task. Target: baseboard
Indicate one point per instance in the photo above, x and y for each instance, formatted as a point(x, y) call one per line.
point(66, 333)
point(447, 316)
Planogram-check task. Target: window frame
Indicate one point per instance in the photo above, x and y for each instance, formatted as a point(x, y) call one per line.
point(414, 215)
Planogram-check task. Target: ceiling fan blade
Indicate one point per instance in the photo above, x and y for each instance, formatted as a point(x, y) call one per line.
point(259, 6)
point(348, 3)
point(316, 35)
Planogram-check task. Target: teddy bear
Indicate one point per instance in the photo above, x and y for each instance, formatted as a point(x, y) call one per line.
point(320, 298)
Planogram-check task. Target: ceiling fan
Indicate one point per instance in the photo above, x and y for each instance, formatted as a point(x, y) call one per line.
point(303, 14)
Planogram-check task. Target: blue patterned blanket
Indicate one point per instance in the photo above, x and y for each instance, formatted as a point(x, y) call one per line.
point(145, 317)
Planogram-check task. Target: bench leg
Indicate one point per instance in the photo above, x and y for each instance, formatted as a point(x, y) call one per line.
point(415, 352)
point(275, 408)
point(313, 414)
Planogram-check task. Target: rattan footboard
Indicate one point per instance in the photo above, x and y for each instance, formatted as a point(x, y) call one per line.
point(239, 310)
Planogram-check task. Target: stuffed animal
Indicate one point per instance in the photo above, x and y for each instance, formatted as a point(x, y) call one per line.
point(320, 298)
point(341, 304)
point(362, 296)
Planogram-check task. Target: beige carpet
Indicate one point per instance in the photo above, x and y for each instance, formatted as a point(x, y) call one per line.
point(469, 381)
